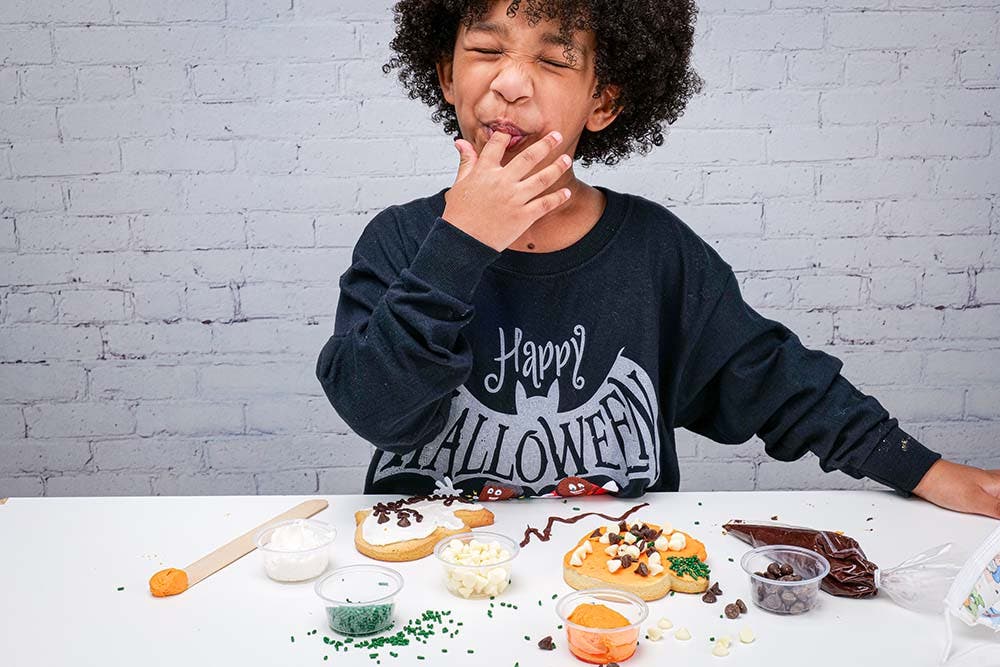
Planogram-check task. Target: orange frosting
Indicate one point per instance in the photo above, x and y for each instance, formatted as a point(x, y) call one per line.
point(596, 564)
point(170, 581)
point(601, 647)
point(597, 616)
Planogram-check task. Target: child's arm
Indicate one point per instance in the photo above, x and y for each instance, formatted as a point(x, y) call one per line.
point(744, 374)
point(397, 351)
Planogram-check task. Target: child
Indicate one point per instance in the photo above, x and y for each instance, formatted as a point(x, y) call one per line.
point(522, 328)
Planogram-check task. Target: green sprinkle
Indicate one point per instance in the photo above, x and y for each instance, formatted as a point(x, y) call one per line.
point(688, 565)
point(555, 595)
point(326, 657)
point(444, 650)
point(699, 504)
point(373, 655)
point(293, 639)
point(731, 560)
point(470, 651)
point(420, 657)
point(383, 583)
point(121, 588)
point(711, 639)
point(539, 603)
point(559, 627)
point(697, 523)
point(527, 638)
point(576, 509)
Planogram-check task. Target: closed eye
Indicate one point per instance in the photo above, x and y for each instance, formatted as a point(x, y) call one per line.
point(497, 53)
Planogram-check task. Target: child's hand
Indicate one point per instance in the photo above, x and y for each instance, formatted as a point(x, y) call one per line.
point(491, 202)
point(961, 488)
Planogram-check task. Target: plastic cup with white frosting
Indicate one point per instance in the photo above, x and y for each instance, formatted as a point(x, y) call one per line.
point(297, 549)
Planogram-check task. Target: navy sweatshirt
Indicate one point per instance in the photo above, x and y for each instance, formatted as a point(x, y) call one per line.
point(510, 372)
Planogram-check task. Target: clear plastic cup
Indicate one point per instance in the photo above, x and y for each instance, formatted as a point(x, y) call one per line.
point(477, 581)
point(603, 645)
point(293, 560)
point(785, 596)
point(359, 599)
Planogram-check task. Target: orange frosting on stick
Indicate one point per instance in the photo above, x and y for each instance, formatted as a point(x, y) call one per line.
point(170, 581)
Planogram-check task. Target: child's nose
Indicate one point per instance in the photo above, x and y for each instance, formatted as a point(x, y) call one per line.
point(513, 81)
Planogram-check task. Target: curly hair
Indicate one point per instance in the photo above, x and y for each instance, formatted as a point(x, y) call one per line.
point(643, 47)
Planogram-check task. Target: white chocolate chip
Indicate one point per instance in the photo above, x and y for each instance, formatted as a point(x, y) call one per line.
point(654, 558)
point(605, 538)
point(629, 538)
point(677, 542)
point(576, 560)
point(614, 565)
point(588, 547)
point(665, 623)
point(683, 634)
point(633, 551)
point(667, 528)
point(746, 635)
point(655, 569)
point(725, 641)
point(720, 651)
point(611, 551)
point(661, 543)
point(653, 633)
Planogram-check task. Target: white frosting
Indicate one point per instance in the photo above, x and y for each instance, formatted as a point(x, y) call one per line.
point(435, 515)
point(292, 553)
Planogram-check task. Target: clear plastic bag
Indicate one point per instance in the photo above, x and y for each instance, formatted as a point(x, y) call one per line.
point(922, 582)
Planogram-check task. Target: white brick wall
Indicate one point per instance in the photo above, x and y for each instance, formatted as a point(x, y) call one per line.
point(181, 184)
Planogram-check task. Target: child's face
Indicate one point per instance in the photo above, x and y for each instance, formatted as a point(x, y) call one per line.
point(502, 69)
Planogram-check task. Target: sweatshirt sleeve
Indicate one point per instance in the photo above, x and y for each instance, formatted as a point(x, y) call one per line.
point(744, 374)
point(397, 351)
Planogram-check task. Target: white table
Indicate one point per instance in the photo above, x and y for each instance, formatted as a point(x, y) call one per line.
point(63, 559)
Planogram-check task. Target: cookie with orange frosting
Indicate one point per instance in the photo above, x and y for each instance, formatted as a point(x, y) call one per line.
point(646, 559)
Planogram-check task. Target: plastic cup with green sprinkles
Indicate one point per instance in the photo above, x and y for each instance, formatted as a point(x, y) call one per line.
point(359, 599)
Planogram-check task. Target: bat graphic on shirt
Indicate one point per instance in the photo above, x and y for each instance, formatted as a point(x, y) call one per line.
point(612, 435)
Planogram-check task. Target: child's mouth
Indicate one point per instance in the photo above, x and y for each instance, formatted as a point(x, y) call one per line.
point(515, 139)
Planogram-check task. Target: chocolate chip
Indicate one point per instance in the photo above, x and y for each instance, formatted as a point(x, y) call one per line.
point(383, 518)
point(774, 570)
point(786, 569)
point(787, 577)
point(642, 570)
point(596, 533)
point(715, 588)
point(732, 611)
point(741, 605)
point(622, 527)
point(614, 538)
point(708, 597)
point(774, 518)
point(403, 522)
point(650, 551)
point(626, 561)
point(546, 644)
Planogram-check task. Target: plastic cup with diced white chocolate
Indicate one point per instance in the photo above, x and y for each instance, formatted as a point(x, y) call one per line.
point(602, 624)
point(477, 565)
point(784, 579)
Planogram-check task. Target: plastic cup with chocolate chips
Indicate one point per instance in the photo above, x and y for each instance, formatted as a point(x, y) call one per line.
point(784, 579)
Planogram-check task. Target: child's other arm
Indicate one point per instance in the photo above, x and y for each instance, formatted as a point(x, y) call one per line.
point(397, 351)
point(745, 375)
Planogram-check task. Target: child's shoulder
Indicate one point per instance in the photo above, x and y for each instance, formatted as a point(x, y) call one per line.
point(657, 226)
point(399, 229)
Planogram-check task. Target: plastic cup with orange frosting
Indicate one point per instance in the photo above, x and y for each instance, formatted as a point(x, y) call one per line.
point(602, 624)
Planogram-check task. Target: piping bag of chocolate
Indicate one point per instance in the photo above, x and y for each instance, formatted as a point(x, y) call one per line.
point(920, 583)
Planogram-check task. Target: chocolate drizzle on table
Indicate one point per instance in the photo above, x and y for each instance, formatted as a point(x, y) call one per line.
point(405, 516)
point(546, 533)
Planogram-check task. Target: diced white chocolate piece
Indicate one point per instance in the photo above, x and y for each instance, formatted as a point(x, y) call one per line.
point(653, 633)
point(720, 651)
point(576, 559)
point(605, 538)
point(677, 542)
point(588, 547)
point(665, 623)
point(661, 542)
point(682, 634)
point(612, 551)
point(746, 635)
point(654, 558)
point(655, 569)
point(667, 528)
point(629, 538)
point(614, 565)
